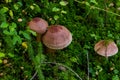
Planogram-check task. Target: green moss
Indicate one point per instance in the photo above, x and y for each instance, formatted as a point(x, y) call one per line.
point(87, 25)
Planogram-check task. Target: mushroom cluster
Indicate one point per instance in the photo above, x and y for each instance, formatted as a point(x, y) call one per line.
point(106, 48)
point(55, 36)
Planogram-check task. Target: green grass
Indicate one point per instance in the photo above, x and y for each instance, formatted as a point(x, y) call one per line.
point(87, 26)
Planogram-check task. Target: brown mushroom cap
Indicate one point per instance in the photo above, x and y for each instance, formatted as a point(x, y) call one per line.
point(38, 25)
point(106, 48)
point(57, 37)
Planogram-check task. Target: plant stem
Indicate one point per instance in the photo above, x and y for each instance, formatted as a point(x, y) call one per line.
point(88, 65)
point(59, 65)
point(105, 13)
point(65, 67)
point(36, 60)
point(39, 58)
point(94, 7)
point(34, 75)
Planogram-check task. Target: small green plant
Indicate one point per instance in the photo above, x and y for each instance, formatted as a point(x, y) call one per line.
point(2, 55)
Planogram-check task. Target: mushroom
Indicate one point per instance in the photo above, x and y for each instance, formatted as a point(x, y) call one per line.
point(38, 25)
point(106, 48)
point(57, 37)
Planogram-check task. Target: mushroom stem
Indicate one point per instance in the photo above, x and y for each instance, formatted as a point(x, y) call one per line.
point(38, 37)
point(51, 50)
point(51, 53)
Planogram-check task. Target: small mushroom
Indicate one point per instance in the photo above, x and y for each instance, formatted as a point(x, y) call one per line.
point(106, 48)
point(38, 25)
point(57, 37)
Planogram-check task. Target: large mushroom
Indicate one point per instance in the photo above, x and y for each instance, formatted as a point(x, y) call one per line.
point(106, 48)
point(57, 37)
point(38, 25)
